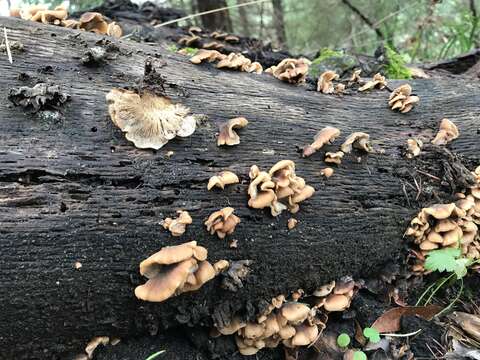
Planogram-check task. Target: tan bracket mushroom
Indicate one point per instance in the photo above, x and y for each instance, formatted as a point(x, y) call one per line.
point(148, 120)
point(221, 179)
point(177, 226)
point(325, 136)
point(378, 81)
point(414, 147)
point(293, 71)
point(208, 55)
point(402, 100)
point(358, 140)
point(448, 132)
point(222, 222)
point(325, 82)
point(227, 135)
point(334, 157)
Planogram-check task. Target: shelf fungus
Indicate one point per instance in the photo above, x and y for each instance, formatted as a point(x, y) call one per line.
point(207, 55)
point(222, 222)
point(325, 82)
point(448, 225)
point(355, 78)
point(358, 140)
point(401, 99)
point(278, 189)
point(334, 157)
point(378, 82)
point(213, 45)
point(448, 132)
point(293, 71)
point(237, 61)
point(221, 179)
point(414, 147)
point(324, 137)
point(94, 22)
point(189, 40)
point(148, 120)
point(177, 226)
point(227, 134)
point(176, 269)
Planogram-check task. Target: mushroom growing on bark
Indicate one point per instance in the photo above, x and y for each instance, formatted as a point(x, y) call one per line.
point(293, 71)
point(324, 137)
point(325, 82)
point(448, 132)
point(208, 55)
point(378, 81)
point(358, 140)
point(114, 30)
point(222, 222)
point(227, 134)
point(221, 179)
point(177, 226)
point(402, 100)
point(334, 157)
point(94, 22)
point(414, 147)
point(327, 172)
point(148, 120)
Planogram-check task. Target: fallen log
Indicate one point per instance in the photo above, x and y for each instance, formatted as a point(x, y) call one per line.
point(75, 191)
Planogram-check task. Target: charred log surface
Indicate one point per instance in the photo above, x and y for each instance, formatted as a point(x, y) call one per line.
point(456, 65)
point(74, 190)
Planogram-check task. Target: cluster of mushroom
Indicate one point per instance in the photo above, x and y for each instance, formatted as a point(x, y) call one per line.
point(177, 226)
point(293, 71)
point(233, 61)
point(222, 222)
point(149, 120)
point(453, 225)
point(401, 99)
point(89, 21)
point(176, 269)
point(279, 188)
point(196, 38)
point(335, 296)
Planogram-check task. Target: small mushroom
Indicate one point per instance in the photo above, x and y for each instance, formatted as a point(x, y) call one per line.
point(148, 120)
point(94, 343)
point(334, 157)
point(339, 88)
point(448, 132)
point(188, 40)
point(254, 67)
point(177, 226)
point(357, 140)
point(195, 29)
point(295, 312)
point(305, 335)
point(231, 39)
point(55, 16)
point(234, 61)
point(29, 12)
point(292, 223)
point(327, 172)
point(214, 45)
point(221, 179)
point(324, 137)
point(293, 71)
point(325, 82)
point(235, 325)
point(114, 30)
point(94, 22)
point(218, 35)
point(222, 222)
point(227, 135)
point(336, 302)
point(355, 78)
point(402, 100)
point(208, 55)
point(324, 290)
point(414, 147)
point(378, 81)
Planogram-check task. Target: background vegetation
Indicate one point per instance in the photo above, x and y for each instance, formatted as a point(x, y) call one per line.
point(421, 30)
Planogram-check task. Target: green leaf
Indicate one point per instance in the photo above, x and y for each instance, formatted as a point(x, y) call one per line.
point(359, 355)
point(442, 260)
point(461, 267)
point(343, 340)
point(372, 334)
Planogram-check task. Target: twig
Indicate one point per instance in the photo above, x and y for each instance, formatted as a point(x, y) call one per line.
point(7, 46)
point(403, 335)
point(365, 19)
point(429, 175)
point(202, 13)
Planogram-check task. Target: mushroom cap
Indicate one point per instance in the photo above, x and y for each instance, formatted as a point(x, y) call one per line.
point(93, 21)
point(290, 70)
point(221, 179)
point(262, 200)
point(49, 16)
point(234, 61)
point(271, 326)
point(114, 30)
point(357, 139)
point(148, 120)
point(325, 136)
point(324, 290)
point(440, 211)
point(307, 192)
point(404, 90)
point(325, 84)
point(344, 287)
point(377, 81)
point(281, 165)
point(286, 332)
point(448, 132)
point(327, 172)
point(334, 157)
point(227, 136)
point(209, 55)
point(336, 302)
point(305, 335)
point(166, 284)
point(445, 225)
point(204, 273)
point(292, 223)
point(295, 312)
point(168, 255)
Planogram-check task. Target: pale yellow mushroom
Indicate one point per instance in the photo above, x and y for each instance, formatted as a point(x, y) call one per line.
point(222, 222)
point(414, 147)
point(334, 157)
point(327, 172)
point(293, 71)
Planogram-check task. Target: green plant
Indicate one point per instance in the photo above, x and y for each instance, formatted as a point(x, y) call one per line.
point(396, 65)
point(359, 355)
point(371, 334)
point(343, 340)
point(172, 48)
point(154, 355)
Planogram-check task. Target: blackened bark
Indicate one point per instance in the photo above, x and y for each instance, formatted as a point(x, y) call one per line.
point(72, 189)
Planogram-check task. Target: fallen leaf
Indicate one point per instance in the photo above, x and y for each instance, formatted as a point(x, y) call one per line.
point(361, 339)
point(390, 320)
point(468, 322)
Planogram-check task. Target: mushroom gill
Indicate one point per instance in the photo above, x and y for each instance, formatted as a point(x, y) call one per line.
point(148, 120)
point(401, 99)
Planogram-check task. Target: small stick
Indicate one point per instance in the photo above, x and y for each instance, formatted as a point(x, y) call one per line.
point(430, 175)
point(7, 46)
point(402, 335)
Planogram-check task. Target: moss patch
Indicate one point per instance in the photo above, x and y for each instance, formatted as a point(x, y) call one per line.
point(396, 66)
point(330, 59)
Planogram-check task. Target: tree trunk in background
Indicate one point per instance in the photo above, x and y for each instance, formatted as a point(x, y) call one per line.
point(279, 23)
point(216, 21)
point(243, 13)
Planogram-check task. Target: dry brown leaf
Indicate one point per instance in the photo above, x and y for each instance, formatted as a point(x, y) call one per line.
point(390, 320)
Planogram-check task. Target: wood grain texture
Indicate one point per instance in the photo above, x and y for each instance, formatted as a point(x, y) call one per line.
point(75, 190)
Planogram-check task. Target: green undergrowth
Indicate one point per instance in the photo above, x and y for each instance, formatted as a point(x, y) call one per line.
point(396, 67)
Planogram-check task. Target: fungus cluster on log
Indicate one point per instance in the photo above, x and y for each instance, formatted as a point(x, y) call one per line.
point(175, 270)
point(233, 61)
point(222, 222)
point(401, 99)
point(89, 21)
point(196, 37)
point(178, 225)
point(452, 225)
point(149, 120)
point(39, 97)
point(293, 71)
point(335, 296)
point(279, 188)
